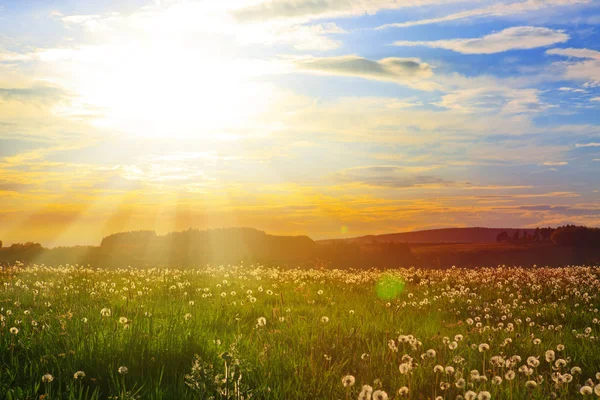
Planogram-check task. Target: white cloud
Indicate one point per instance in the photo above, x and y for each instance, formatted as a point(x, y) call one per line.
point(592, 144)
point(595, 99)
point(586, 70)
point(576, 53)
point(515, 38)
point(555, 163)
point(495, 10)
point(399, 70)
point(265, 10)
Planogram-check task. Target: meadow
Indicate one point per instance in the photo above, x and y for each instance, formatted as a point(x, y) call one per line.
point(254, 332)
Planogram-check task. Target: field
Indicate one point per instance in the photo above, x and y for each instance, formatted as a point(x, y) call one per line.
point(241, 332)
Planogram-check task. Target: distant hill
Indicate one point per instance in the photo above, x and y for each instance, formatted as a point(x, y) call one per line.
point(445, 235)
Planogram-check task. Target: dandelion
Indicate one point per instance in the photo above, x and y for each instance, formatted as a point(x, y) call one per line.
point(597, 390)
point(380, 395)
point(586, 390)
point(438, 369)
point(531, 384)
point(187, 316)
point(123, 370)
point(78, 375)
point(431, 353)
point(550, 356)
point(262, 321)
point(47, 378)
point(404, 368)
point(348, 381)
point(483, 347)
point(497, 380)
point(106, 312)
point(14, 330)
point(510, 375)
point(403, 391)
point(324, 319)
point(123, 320)
point(460, 383)
point(484, 395)
point(470, 395)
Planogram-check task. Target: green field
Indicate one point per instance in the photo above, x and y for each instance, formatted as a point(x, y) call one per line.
point(241, 332)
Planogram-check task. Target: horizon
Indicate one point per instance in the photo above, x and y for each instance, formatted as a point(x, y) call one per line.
point(321, 118)
point(97, 243)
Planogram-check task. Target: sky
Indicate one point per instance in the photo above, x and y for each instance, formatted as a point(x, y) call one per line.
point(330, 118)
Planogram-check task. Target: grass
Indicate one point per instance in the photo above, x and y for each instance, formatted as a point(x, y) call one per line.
point(195, 334)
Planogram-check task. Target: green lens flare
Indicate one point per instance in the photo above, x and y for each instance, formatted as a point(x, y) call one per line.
point(389, 287)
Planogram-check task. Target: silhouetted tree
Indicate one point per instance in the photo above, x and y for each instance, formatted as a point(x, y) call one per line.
point(576, 236)
point(502, 237)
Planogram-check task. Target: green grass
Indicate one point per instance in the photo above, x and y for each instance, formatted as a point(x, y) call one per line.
point(173, 315)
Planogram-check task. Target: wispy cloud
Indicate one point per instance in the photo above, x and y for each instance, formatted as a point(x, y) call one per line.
point(515, 38)
point(592, 144)
point(495, 10)
point(392, 69)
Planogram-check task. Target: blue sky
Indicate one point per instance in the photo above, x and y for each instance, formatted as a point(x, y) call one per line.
point(296, 117)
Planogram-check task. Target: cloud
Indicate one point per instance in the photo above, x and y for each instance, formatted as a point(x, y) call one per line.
point(515, 38)
point(392, 69)
point(587, 70)
point(592, 144)
point(389, 176)
point(42, 94)
point(575, 53)
point(595, 99)
point(6, 186)
point(312, 9)
point(555, 163)
point(496, 10)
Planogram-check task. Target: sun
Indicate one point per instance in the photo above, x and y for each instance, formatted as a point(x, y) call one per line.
point(159, 88)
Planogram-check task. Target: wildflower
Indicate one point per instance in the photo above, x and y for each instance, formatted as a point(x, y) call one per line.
point(483, 347)
point(484, 395)
point(460, 383)
point(438, 369)
point(365, 393)
point(14, 330)
point(123, 370)
point(262, 321)
point(106, 312)
point(78, 374)
point(586, 390)
point(187, 316)
point(380, 395)
point(597, 390)
point(510, 375)
point(550, 355)
point(403, 391)
point(497, 380)
point(404, 368)
point(324, 319)
point(576, 371)
point(348, 381)
point(431, 353)
point(470, 395)
point(123, 320)
point(531, 384)
point(533, 361)
point(47, 378)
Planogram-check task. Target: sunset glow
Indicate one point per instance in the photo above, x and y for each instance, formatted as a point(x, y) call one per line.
point(324, 118)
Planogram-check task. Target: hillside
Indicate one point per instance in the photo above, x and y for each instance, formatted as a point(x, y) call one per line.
point(445, 235)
